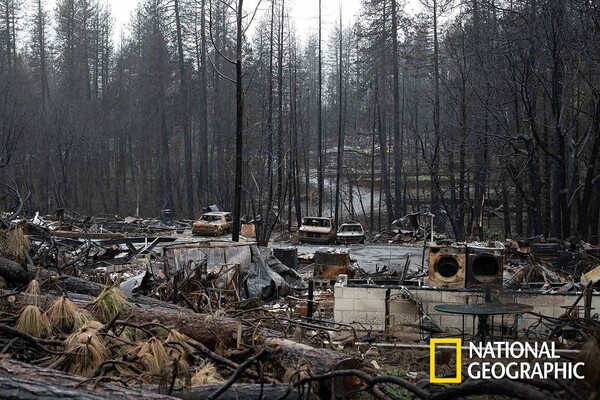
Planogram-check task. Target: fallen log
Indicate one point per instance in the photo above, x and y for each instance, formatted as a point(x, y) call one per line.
point(24, 381)
point(23, 389)
point(12, 272)
point(239, 391)
point(501, 387)
point(73, 284)
point(287, 356)
point(204, 328)
point(298, 354)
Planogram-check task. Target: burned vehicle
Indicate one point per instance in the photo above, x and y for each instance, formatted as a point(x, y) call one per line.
point(351, 232)
point(317, 230)
point(213, 224)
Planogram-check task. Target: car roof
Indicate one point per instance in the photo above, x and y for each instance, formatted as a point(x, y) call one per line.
point(217, 213)
point(352, 223)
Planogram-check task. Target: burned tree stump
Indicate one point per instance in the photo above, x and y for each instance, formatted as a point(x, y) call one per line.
point(12, 272)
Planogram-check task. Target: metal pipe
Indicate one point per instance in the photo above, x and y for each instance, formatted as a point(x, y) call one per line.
point(432, 216)
point(427, 347)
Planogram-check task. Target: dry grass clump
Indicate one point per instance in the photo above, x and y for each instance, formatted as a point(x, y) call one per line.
point(15, 244)
point(92, 324)
point(206, 374)
point(294, 375)
point(66, 317)
point(84, 318)
point(109, 303)
point(34, 288)
point(33, 321)
point(34, 292)
point(84, 352)
point(155, 360)
point(131, 334)
point(179, 350)
point(182, 341)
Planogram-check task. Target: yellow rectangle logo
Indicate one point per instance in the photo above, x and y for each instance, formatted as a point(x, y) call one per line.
point(458, 343)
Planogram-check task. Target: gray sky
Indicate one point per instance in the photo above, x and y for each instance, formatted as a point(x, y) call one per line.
point(121, 10)
point(305, 13)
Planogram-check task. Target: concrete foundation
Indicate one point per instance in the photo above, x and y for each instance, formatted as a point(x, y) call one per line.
point(366, 305)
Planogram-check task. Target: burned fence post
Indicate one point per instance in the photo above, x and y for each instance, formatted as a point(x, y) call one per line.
point(310, 305)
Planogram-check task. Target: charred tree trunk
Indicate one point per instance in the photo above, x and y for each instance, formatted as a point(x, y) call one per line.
point(280, 133)
point(396, 96)
point(594, 237)
point(340, 141)
point(320, 171)
point(296, 150)
point(530, 101)
point(519, 214)
point(237, 207)
point(265, 206)
point(41, 38)
point(592, 170)
point(266, 227)
point(372, 188)
point(506, 208)
point(560, 212)
point(435, 198)
point(185, 104)
point(203, 134)
point(385, 178)
point(462, 161)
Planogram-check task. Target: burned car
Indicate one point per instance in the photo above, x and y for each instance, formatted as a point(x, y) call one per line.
point(317, 230)
point(351, 232)
point(213, 224)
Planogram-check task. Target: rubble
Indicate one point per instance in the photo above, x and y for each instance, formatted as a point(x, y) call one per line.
point(129, 307)
point(330, 262)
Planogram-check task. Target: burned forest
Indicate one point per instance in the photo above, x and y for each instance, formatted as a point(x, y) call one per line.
point(300, 199)
point(484, 113)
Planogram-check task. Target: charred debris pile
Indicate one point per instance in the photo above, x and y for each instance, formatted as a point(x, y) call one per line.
point(109, 308)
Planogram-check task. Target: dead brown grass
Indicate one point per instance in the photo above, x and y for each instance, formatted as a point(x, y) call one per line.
point(15, 244)
point(155, 361)
point(182, 340)
point(66, 317)
point(206, 374)
point(33, 321)
point(33, 292)
point(85, 351)
point(109, 303)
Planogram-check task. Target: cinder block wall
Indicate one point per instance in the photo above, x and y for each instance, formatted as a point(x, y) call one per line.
point(364, 305)
point(360, 305)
